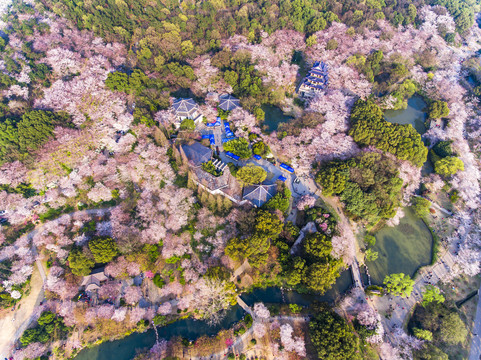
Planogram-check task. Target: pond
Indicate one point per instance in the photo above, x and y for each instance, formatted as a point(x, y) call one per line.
point(402, 248)
point(126, 349)
point(274, 116)
point(413, 114)
point(275, 295)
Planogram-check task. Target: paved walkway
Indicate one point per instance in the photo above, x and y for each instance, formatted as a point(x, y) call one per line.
point(400, 307)
point(475, 350)
point(14, 323)
point(245, 265)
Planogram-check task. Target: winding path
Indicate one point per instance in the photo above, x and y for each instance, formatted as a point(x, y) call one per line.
point(14, 323)
point(402, 306)
point(475, 349)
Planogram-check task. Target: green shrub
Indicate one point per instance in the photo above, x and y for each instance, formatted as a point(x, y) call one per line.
point(295, 309)
point(239, 147)
point(160, 320)
point(103, 249)
point(158, 281)
point(248, 320)
point(80, 263)
point(187, 124)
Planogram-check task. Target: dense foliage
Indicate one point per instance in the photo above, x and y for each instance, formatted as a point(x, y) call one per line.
point(49, 327)
point(370, 129)
point(421, 206)
point(80, 263)
point(209, 167)
point(20, 136)
point(332, 337)
point(438, 109)
point(103, 249)
point(251, 174)
point(281, 200)
point(399, 284)
point(369, 185)
point(311, 265)
point(444, 323)
point(432, 294)
point(255, 248)
point(448, 166)
point(239, 147)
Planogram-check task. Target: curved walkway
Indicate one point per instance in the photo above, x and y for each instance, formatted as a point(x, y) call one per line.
point(14, 323)
point(402, 306)
point(475, 349)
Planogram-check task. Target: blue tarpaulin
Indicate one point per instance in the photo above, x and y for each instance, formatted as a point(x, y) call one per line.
point(233, 156)
point(282, 178)
point(257, 157)
point(287, 168)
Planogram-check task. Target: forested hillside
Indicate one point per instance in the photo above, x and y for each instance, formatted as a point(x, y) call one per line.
point(160, 164)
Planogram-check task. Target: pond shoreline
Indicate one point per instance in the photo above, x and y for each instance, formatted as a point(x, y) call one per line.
point(405, 248)
point(124, 348)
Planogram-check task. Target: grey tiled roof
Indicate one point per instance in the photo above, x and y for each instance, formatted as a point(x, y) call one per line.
point(228, 102)
point(197, 153)
point(258, 195)
point(184, 107)
point(92, 281)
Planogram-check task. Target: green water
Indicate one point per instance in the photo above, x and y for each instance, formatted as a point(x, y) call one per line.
point(413, 114)
point(275, 295)
point(127, 348)
point(274, 116)
point(403, 248)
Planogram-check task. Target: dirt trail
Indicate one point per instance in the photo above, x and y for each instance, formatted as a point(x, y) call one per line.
point(13, 323)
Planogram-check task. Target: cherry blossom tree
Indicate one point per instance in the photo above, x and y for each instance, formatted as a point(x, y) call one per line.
point(306, 201)
point(99, 193)
point(290, 343)
point(32, 351)
point(261, 311)
point(109, 290)
point(159, 348)
point(119, 314)
point(105, 311)
point(136, 314)
point(259, 329)
point(165, 308)
point(63, 61)
point(132, 295)
point(343, 244)
point(211, 299)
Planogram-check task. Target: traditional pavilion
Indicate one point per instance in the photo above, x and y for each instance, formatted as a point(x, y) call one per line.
point(258, 195)
point(228, 103)
point(316, 80)
point(186, 108)
point(92, 281)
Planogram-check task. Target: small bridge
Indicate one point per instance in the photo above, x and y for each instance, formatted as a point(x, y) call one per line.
point(356, 275)
point(246, 307)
